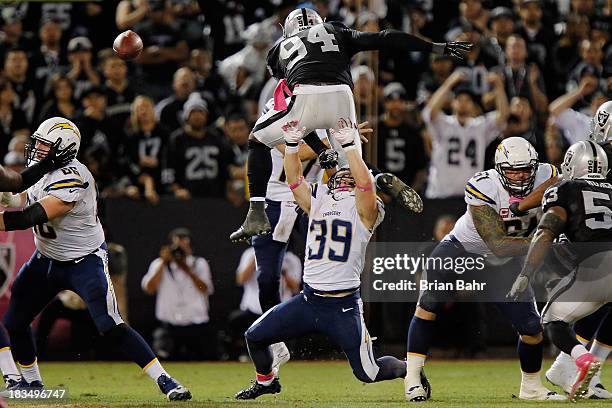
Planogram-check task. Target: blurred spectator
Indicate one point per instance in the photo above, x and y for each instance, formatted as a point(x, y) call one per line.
point(501, 22)
point(591, 57)
point(566, 50)
point(250, 310)
point(583, 7)
point(12, 120)
point(473, 13)
point(209, 83)
point(47, 60)
point(145, 145)
point(61, 102)
point(170, 110)
point(440, 69)
point(226, 20)
point(182, 284)
point(119, 92)
point(521, 79)
point(237, 130)
point(164, 48)
point(522, 122)
point(538, 37)
point(131, 12)
point(97, 129)
point(365, 91)
point(444, 225)
point(14, 161)
point(400, 146)
point(81, 72)
point(12, 34)
point(15, 70)
point(459, 140)
point(198, 157)
point(554, 144)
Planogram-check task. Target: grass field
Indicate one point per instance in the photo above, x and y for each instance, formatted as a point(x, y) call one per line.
point(305, 384)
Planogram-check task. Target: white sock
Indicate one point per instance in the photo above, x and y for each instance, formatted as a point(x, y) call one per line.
point(414, 364)
point(578, 351)
point(7, 364)
point(564, 358)
point(30, 372)
point(257, 199)
point(531, 381)
point(600, 350)
point(154, 369)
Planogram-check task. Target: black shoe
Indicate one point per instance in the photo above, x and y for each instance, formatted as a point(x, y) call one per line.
point(256, 223)
point(10, 382)
point(425, 383)
point(328, 159)
point(22, 385)
point(401, 192)
point(172, 389)
point(256, 389)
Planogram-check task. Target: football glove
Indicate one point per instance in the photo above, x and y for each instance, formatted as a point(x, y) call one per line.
point(457, 49)
point(292, 134)
point(520, 285)
point(57, 158)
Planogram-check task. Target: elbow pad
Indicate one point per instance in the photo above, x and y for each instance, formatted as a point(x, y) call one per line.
point(28, 217)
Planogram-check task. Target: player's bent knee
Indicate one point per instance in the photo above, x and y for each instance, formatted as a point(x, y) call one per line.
point(362, 376)
point(115, 332)
point(532, 339)
point(426, 311)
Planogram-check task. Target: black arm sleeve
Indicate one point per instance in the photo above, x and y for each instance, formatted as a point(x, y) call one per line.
point(386, 40)
point(30, 175)
point(27, 218)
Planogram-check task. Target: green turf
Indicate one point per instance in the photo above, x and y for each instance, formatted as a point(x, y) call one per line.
point(305, 384)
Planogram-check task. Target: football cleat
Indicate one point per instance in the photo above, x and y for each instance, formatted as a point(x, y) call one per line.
point(280, 354)
point(415, 393)
point(425, 383)
point(562, 372)
point(10, 381)
point(600, 392)
point(172, 389)
point(328, 159)
point(22, 385)
point(256, 223)
point(256, 389)
point(540, 394)
point(588, 366)
point(401, 192)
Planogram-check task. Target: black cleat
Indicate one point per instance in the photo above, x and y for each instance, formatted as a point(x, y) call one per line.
point(256, 389)
point(401, 192)
point(425, 383)
point(328, 159)
point(10, 382)
point(256, 223)
point(172, 389)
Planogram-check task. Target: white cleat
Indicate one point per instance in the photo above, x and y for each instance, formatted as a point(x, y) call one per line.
point(599, 391)
point(562, 372)
point(540, 394)
point(280, 354)
point(415, 392)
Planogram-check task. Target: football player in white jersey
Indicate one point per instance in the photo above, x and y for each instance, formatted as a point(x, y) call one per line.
point(489, 228)
point(70, 254)
point(342, 218)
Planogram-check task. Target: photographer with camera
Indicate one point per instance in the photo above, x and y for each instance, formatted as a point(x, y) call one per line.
point(182, 283)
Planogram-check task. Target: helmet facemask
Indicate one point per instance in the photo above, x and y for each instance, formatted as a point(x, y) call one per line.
point(37, 149)
point(299, 20)
point(342, 181)
point(518, 188)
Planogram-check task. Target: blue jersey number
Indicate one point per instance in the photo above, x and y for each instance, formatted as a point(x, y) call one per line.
point(341, 231)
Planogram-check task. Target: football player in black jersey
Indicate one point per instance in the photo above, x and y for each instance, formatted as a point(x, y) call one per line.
point(581, 208)
point(313, 63)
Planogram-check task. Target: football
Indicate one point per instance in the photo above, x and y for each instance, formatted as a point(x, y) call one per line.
point(128, 45)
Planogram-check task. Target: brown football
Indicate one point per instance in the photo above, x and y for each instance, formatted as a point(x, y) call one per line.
point(128, 45)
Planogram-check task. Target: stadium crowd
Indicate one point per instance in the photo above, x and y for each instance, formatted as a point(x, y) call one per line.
point(176, 120)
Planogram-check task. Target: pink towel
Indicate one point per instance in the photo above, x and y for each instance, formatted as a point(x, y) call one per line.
point(282, 90)
point(514, 199)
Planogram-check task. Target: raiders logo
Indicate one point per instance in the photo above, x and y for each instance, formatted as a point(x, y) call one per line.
point(602, 118)
point(7, 265)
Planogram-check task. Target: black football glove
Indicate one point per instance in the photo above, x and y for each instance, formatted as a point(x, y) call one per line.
point(328, 159)
point(458, 49)
point(57, 158)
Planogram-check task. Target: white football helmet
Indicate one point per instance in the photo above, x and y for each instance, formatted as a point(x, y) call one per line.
point(516, 153)
point(48, 133)
point(300, 19)
point(584, 159)
point(601, 124)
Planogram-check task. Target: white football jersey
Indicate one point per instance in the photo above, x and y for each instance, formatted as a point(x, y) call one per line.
point(575, 125)
point(336, 241)
point(77, 233)
point(278, 189)
point(457, 151)
point(486, 188)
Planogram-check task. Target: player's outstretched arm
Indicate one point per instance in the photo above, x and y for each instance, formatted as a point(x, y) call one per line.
point(490, 227)
point(533, 199)
point(365, 192)
point(46, 209)
point(293, 166)
point(437, 100)
point(10, 200)
point(550, 226)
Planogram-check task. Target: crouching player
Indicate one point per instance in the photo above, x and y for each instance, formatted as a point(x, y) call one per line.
point(342, 218)
point(70, 254)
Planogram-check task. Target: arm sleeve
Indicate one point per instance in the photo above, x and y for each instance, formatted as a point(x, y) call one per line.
point(152, 268)
point(392, 40)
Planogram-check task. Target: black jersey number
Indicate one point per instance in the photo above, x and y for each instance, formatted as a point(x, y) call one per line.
point(454, 152)
point(341, 232)
point(45, 231)
point(293, 48)
point(598, 216)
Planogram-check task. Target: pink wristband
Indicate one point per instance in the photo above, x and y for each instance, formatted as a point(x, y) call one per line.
point(367, 187)
point(295, 185)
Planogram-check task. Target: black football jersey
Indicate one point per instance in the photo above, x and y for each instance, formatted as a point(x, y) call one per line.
point(608, 149)
point(322, 54)
point(588, 203)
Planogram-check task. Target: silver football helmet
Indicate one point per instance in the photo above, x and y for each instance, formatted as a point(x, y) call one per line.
point(300, 19)
point(601, 124)
point(516, 153)
point(584, 159)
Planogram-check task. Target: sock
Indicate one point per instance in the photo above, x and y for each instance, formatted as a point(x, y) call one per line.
point(315, 143)
point(265, 379)
point(154, 369)
point(390, 368)
point(420, 334)
point(30, 372)
point(578, 350)
point(7, 364)
point(600, 350)
point(259, 168)
point(530, 356)
point(531, 381)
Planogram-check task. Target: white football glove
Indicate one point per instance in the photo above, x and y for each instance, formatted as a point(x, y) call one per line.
point(345, 135)
point(10, 200)
point(292, 135)
point(519, 287)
